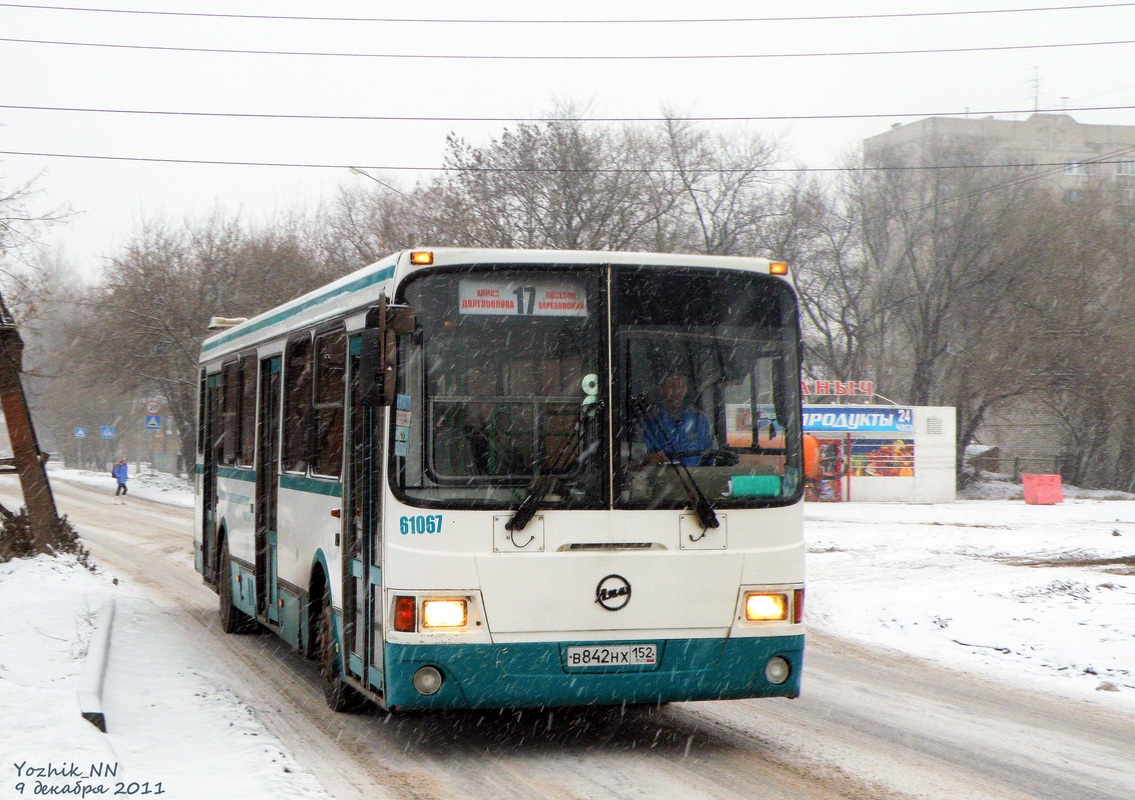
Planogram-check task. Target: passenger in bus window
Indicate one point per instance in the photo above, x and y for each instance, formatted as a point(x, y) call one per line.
point(674, 428)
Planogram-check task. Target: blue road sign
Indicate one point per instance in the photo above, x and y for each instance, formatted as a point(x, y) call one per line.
point(153, 422)
point(80, 433)
point(107, 431)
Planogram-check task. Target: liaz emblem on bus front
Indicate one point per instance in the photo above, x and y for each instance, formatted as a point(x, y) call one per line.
point(613, 592)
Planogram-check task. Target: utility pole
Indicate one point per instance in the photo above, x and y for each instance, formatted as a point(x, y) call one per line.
point(27, 460)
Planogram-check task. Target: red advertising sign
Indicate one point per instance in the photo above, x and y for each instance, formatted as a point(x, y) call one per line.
point(822, 388)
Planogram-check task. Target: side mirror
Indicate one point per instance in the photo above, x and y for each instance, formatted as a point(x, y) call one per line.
point(378, 357)
point(400, 320)
point(370, 367)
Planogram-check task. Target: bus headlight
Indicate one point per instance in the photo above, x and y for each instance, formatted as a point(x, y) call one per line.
point(766, 607)
point(445, 613)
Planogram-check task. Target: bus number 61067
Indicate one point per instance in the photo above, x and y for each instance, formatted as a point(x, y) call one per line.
point(422, 523)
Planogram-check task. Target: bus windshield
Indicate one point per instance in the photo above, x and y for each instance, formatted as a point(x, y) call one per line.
point(504, 387)
point(710, 405)
point(491, 387)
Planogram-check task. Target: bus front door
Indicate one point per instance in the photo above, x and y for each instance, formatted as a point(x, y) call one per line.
point(362, 536)
point(267, 490)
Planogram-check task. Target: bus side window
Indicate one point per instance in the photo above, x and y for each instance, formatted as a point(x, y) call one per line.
point(201, 388)
point(230, 411)
point(248, 410)
point(330, 374)
point(297, 405)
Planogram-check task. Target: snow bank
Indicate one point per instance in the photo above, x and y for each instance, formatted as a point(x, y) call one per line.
point(45, 624)
point(1000, 486)
point(175, 729)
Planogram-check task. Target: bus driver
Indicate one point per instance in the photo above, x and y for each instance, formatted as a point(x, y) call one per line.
point(675, 429)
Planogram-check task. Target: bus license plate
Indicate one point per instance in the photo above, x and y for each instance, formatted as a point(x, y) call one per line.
point(613, 655)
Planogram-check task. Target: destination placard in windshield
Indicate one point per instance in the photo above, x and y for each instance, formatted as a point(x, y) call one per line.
point(521, 299)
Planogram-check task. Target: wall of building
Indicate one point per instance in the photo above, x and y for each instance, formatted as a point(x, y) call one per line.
point(1073, 154)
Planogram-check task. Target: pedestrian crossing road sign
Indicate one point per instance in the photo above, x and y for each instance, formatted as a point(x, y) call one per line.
point(153, 422)
point(107, 431)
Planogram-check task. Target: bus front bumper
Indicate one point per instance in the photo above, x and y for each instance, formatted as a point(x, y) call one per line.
point(535, 674)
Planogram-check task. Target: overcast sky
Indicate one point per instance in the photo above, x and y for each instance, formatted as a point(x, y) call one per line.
point(791, 69)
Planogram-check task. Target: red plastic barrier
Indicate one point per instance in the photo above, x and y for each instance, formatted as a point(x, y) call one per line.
point(1042, 490)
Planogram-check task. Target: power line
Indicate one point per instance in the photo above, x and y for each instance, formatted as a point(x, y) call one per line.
point(656, 21)
point(664, 170)
point(620, 57)
point(429, 118)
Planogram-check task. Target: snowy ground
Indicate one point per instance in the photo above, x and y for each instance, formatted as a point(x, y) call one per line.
point(177, 730)
point(1039, 596)
point(1035, 595)
point(159, 486)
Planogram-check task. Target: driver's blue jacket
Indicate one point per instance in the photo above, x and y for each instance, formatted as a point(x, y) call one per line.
point(688, 435)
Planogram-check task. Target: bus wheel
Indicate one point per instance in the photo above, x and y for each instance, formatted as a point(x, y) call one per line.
point(339, 696)
point(233, 620)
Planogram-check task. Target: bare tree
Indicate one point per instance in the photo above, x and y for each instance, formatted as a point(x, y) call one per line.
point(928, 280)
point(365, 223)
point(561, 184)
point(942, 240)
point(36, 528)
point(20, 224)
point(816, 228)
point(1084, 338)
point(722, 184)
point(37, 287)
point(160, 291)
point(45, 295)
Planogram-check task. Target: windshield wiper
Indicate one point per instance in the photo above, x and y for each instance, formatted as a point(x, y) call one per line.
point(699, 503)
point(549, 472)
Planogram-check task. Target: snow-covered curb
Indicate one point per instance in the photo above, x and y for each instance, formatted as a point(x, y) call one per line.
point(93, 676)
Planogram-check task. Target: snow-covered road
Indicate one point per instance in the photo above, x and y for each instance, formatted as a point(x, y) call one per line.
point(1016, 703)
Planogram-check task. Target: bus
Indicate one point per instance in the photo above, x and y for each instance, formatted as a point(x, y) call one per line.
point(464, 478)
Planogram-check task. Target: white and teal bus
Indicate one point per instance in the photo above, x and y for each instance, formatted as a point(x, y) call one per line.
point(506, 478)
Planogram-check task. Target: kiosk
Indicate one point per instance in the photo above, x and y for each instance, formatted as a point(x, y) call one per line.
point(902, 454)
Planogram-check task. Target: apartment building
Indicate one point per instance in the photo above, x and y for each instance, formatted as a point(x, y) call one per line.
point(1071, 154)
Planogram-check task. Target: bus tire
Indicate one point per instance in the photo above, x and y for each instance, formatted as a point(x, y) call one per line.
point(339, 696)
point(233, 620)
